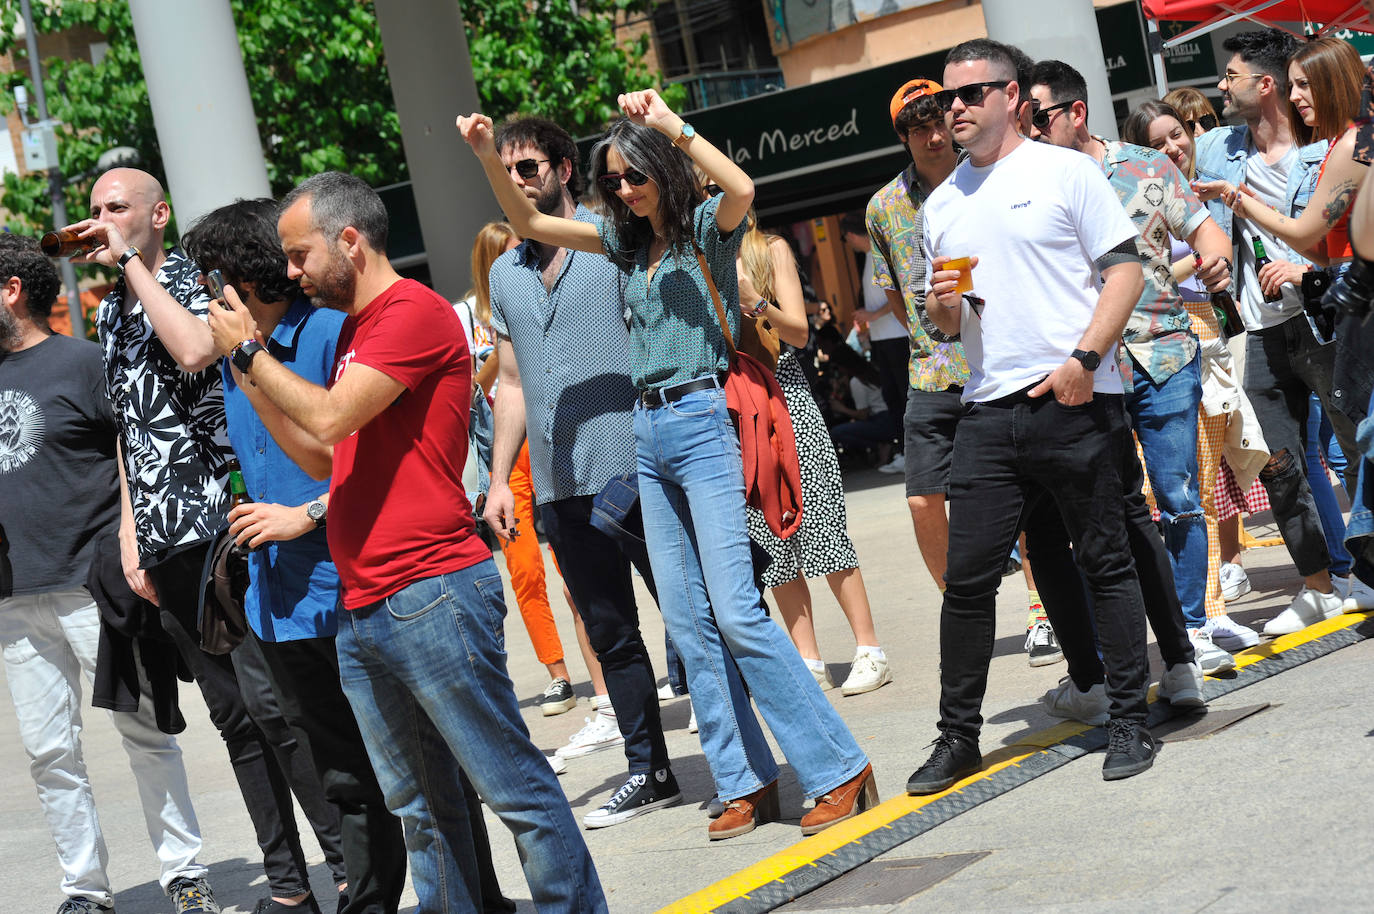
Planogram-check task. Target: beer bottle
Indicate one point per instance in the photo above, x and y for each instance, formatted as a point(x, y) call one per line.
point(1228, 315)
point(238, 491)
point(65, 243)
point(1260, 261)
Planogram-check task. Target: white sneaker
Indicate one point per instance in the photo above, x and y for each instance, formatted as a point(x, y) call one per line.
point(692, 722)
point(1359, 596)
point(666, 693)
point(1209, 658)
point(822, 677)
point(1235, 583)
point(896, 465)
point(1308, 608)
point(557, 763)
point(601, 732)
point(866, 674)
point(1181, 686)
point(1230, 635)
point(1065, 700)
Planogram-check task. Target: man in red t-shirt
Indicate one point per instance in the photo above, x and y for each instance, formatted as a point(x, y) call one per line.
point(421, 647)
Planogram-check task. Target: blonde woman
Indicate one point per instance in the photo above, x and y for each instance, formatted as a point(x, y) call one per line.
point(770, 293)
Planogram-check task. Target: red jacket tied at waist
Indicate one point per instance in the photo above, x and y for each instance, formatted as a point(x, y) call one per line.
point(768, 444)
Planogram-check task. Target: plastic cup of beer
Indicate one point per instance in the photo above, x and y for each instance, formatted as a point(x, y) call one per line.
point(965, 269)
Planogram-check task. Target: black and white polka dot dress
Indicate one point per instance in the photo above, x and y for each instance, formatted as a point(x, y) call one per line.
point(821, 545)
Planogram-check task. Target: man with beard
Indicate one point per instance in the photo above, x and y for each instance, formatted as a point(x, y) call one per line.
point(421, 653)
point(564, 371)
point(1284, 360)
point(59, 492)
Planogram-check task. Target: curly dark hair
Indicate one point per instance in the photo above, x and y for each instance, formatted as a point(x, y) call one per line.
point(20, 256)
point(1266, 50)
point(549, 138)
point(240, 240)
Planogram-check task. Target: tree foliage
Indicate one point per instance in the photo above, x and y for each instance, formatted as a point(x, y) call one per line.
point(318, 80)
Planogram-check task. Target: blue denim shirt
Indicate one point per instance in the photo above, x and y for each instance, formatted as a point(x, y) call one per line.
point(294, 588)
point(1221, 155)
point(572, 348)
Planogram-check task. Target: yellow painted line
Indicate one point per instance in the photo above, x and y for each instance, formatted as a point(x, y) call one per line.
point(807, 851)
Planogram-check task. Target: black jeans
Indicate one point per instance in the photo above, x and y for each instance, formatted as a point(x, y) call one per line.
point(1063, 590)
point(1283, 365)
point(892, 358)
point(262, 782)
point(597, 573)
point(305, 677)
point(1009, 454)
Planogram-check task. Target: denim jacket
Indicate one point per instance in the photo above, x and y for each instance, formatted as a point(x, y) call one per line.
point(1221, 155)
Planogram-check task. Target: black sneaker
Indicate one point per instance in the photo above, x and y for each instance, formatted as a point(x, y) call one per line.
point(557, 698)
point(640, 794)
point(953, 758)
point(192, 896)
point(80, 904)
point(272, 906)
point(1042, 647)
point(1130, 750)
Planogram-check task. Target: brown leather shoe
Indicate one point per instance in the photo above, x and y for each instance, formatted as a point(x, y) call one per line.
point(844, 802)
point(742, 815)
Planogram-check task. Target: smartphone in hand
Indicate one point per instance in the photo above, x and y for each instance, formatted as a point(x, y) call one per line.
point(216, 282)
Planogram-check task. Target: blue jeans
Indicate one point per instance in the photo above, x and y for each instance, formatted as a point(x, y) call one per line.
point(691, 491)
point(1321, 442)
point(430, 661)
point(1164, 417)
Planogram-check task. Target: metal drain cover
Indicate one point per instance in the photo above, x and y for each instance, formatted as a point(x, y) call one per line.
point(884, 882)
point(1196, 725)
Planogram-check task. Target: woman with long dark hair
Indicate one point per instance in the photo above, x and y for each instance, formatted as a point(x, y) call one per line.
point(660, 232)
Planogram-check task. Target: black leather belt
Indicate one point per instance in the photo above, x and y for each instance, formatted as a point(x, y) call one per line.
point(653, 399)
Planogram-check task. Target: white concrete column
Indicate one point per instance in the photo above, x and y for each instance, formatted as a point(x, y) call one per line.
point(201, 107)
point(1058, 30)
point(432, 82)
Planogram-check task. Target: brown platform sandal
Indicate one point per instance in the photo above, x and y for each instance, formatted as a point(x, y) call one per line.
point(844, 802)
point(742, 815)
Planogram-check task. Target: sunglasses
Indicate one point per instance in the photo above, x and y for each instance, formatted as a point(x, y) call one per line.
point(527, 168)
point(972, 94)
point(1040, 117)
point(1208, 122)
point(610, 182)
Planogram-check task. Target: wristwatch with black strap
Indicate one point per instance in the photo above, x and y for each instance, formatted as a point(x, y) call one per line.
point(1089, 359)
point(317, 511)
point(129, 254)
point(242, 354)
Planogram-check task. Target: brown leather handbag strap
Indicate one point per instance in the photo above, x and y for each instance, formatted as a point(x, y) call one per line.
point(720, 308)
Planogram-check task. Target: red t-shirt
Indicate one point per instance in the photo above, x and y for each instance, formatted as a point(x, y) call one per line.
point(397, 509)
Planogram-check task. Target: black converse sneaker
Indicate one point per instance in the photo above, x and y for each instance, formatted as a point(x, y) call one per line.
point(953, 757)
point(640, 794)
point(1130, 750)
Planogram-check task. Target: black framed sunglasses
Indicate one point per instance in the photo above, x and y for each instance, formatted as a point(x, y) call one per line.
point(610, 182)
point(972, 94)
point(1040, 117)
point(527, 168)
point(1206, 122)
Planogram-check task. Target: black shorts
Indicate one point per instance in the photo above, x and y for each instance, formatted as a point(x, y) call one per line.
point(931, 416)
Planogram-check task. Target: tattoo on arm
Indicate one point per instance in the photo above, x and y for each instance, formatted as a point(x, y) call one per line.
point(1340, 202)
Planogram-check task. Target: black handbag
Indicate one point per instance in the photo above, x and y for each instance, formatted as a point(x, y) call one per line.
point(224, 581)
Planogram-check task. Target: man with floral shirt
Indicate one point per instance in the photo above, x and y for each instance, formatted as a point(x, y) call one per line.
point(1160, 369)
point(164, 384)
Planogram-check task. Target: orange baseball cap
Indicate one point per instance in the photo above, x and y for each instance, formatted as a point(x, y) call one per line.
point(916, 88)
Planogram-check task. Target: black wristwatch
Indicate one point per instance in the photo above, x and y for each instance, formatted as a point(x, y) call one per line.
point(129, 255)
point(1089, 359)
point(317, 512)
point(242, 354)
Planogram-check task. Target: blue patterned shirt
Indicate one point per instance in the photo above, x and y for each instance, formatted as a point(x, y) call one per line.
point(675, 335)
point(572, 349)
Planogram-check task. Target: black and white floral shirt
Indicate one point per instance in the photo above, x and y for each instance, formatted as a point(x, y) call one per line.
point(171, 422)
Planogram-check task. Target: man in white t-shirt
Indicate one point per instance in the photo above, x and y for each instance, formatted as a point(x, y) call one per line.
point(889, 341)
point(1043, 404)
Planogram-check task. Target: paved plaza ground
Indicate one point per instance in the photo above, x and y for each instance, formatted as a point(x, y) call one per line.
point(1271, 812)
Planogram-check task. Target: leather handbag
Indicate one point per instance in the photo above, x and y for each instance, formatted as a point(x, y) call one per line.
point(223, 623)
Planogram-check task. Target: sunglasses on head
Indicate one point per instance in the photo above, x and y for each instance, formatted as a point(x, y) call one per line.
point(610, 182)
point(972, 94)
point(1207, 121)
point(527, 168)
point(1040, 117)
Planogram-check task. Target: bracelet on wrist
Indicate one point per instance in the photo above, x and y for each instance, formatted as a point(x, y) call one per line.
point(759, 309)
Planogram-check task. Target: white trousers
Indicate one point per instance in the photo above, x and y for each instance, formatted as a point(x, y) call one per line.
point(49, 639)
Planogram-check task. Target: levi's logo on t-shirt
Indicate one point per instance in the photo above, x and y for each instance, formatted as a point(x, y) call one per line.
point(1021, 205)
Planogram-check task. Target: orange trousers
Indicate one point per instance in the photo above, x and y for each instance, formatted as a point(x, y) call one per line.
point(526, 565)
